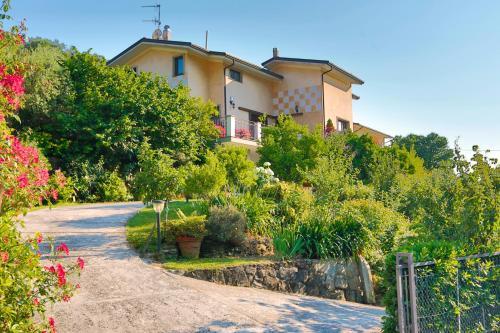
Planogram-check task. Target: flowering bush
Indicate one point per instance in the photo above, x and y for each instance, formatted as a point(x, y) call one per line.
point(243, 133)
point(265, 175)
point(26, 286)
point(222, 131)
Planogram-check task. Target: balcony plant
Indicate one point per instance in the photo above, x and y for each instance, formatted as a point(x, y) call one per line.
point(188, 232)
point(243, 133)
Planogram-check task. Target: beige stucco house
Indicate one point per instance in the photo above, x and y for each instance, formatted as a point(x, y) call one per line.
point(312, 91)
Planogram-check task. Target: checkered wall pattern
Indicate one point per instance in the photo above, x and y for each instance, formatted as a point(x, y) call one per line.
point(305, 99)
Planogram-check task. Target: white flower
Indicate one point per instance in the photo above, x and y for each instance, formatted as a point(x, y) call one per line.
point(267, 164)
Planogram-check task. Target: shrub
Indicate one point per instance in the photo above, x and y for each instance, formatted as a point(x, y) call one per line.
point(292, 202)
point(157, 178)
point(377, 230)
point(206, 180)
point(63, 187)
point(239, 169)
point(113, 188)
point(288, 242)
point(227, 224)
point(289, 147)
point(257, 210)
point(187, 226)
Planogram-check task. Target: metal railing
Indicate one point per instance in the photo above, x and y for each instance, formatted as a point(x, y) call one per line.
point(246, 130)
point(232, 127)
point(433, 299)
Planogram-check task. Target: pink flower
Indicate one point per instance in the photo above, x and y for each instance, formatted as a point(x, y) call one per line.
point(2, 117)
point(42, 176)
point(22, 180)
point(52, 325)
point(61, 275)
point(4, 256)
point(66, 298)
point(54, 194)
point(36, 302)
point(63, 248)
point(77, 286)
point(80, 262)
point(39, 238)
point(13, 82)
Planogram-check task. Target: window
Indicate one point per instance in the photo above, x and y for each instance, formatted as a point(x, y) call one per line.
point(235, 75)
point(342, 125)
point(178, 66)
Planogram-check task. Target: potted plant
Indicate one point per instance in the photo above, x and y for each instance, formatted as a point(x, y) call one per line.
point(188, 232)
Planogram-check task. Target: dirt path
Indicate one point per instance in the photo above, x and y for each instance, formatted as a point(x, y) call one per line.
point(121, 293)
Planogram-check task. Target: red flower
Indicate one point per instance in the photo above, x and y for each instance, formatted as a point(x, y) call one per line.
point(20, 40)
point(50, 269)
point(42, 176)
point(39, 238)
point(80, 262)
point(77, 286)
point(36, 302)
point(61, 275)
point(22, 180)
point(52, 325)
point(63, 248)
point(66, 298)
point(4, 256)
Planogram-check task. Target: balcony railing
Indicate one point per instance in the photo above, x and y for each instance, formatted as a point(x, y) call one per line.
point(232, 127)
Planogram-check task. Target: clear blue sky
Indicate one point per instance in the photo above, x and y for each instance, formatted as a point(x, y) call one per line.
point(427, 65)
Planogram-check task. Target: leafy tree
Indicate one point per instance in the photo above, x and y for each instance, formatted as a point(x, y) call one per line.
point(432, 148)
point(157, 177)
point(290, 147)
point(239, 169)
point(206, 180)
point(108, 111)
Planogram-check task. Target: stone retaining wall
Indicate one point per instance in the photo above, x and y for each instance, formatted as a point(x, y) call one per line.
point(336, 279)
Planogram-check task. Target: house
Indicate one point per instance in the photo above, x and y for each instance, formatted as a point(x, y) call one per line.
point(378, 137)
point(312, 91)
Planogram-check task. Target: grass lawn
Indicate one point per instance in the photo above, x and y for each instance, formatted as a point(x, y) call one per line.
point(139, 226)
point(212, 263)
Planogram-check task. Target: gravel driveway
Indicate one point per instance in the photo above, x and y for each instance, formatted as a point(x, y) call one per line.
point(122, 293)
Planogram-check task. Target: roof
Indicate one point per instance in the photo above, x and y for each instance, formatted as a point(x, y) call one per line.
point(355, 97)
point(196, 48)
point(315, 61)
point(371, 129)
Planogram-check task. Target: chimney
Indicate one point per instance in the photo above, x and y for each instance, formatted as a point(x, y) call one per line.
point(167, 33)
point(276, 52)
point(156, 34)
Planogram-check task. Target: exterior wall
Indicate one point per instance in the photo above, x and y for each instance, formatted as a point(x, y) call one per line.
point(338, 101)
point(299, 90)
point(216, 84)
point(252, 93)
point(197, 71)
point(160, 62)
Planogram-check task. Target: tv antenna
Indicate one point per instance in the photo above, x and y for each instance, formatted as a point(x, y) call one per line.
point(156, 20)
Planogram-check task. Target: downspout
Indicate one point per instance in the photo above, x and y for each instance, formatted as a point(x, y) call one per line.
point(224, 77)
point(323, 96)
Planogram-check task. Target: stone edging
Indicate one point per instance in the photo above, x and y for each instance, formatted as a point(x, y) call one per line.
point(348, 279)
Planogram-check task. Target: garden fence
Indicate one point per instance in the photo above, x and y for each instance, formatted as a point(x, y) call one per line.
point(439, 298)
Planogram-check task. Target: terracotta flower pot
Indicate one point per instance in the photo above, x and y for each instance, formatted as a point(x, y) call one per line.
point(189, 246)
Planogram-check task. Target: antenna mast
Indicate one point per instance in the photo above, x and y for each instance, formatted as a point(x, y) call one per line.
point(157, 20)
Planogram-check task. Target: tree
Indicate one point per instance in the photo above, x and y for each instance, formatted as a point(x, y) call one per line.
point(106, 112)
point(157, 178)
point(289, 147)
point(239, 169)
point(432, 148)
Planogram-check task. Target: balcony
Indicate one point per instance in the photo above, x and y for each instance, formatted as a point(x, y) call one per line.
point(239, 131)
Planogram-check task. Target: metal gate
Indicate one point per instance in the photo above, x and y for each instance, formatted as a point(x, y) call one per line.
point(433, 299)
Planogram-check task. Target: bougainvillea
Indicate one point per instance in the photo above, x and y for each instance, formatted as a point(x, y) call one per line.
point(29, 279)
